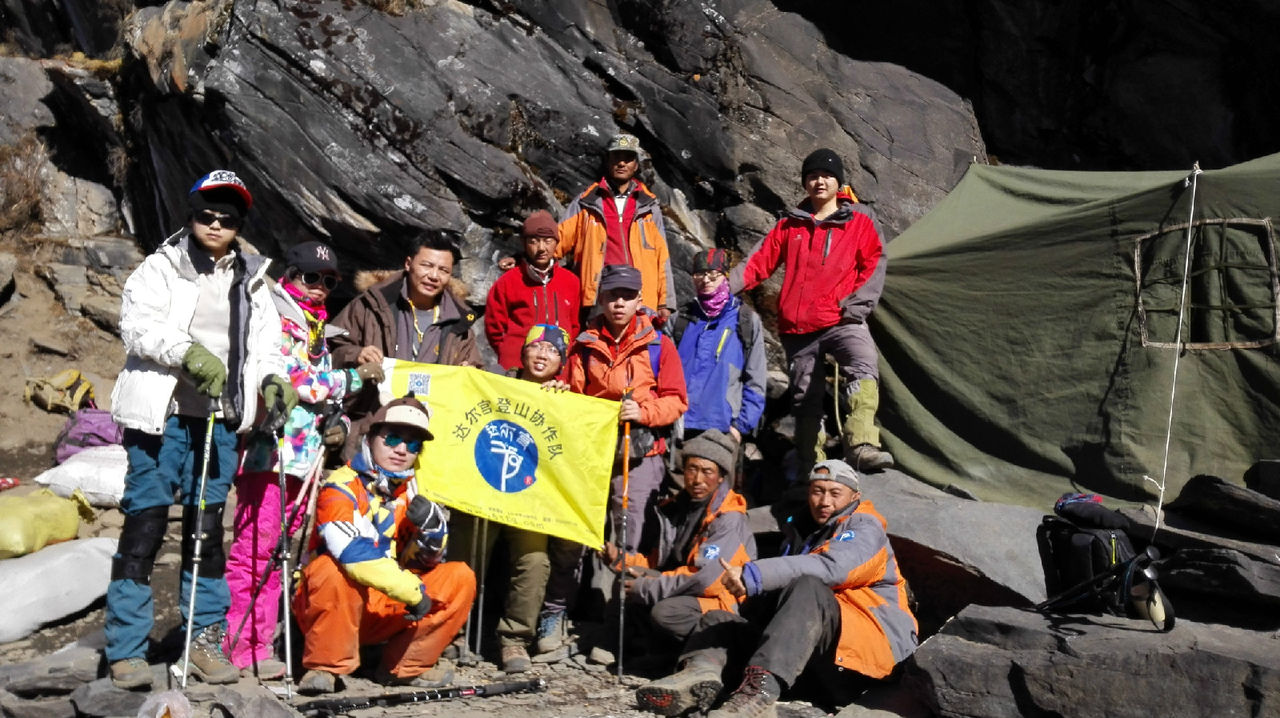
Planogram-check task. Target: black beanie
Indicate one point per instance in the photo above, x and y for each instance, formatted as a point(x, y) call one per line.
point(825, 160)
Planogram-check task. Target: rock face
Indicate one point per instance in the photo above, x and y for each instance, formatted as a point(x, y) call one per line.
point(358, 126)
point(997, 662)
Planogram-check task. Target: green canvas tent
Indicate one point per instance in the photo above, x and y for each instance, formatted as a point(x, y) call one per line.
point(1030, 324)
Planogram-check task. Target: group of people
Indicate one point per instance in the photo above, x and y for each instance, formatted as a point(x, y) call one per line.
point(234, 378)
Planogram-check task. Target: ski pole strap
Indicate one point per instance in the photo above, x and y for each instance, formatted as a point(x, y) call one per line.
point(339, 706)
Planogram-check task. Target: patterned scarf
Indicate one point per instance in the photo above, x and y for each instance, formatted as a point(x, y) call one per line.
point(316, 316)
point(714, 303)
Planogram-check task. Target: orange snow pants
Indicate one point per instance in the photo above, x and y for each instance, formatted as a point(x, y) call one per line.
point(338, 615)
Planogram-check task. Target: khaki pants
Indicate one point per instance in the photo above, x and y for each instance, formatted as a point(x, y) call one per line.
point(527, 570)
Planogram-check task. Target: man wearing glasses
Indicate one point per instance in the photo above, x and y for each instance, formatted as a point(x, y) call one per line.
point(201, 332)
point(311, 272)
point(414, 315)
point(721, 343)
point(378, 574)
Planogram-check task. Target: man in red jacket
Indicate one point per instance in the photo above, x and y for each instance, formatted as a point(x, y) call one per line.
point(535, 291)
point(835, 273)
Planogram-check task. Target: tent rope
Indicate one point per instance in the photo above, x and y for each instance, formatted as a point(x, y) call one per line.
point(1193, 181)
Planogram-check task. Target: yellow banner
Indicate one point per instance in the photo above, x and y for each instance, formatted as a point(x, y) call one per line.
point(508, 451)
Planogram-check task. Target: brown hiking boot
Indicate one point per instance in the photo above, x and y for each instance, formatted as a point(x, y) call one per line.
point(757, 697)
point(208, 662)
point(316, 681)
point(130, 673)
point(866, 457)
point(515, 659)
point(438, 676)
point(695, 685)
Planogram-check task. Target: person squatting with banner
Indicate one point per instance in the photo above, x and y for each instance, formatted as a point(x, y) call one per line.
point(690, 533)
point(831, 246)
point(528, 568)
point(378, 572)
point(416, 314)
point(536, 291)
point(201, 332)
point(311, 272)
point(833, 605)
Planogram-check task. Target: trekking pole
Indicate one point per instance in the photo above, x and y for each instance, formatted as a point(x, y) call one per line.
point(284, 565)
point(482, 567)
point(622, 547)
point(341, 706)
point(835, 381)
point(199, 541)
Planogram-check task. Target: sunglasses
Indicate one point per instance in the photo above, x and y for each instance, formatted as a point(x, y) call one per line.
point(329, 281)
point(208, 217)
point(393, 440)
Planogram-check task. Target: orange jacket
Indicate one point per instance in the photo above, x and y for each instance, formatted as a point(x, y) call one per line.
point(600, 367)
point(722, 532)
point(583, 236)
point(852, 554)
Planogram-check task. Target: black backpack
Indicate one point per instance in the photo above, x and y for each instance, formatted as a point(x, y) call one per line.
point(1080, 541)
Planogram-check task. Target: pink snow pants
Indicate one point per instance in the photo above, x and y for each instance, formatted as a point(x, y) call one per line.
point(256, 535)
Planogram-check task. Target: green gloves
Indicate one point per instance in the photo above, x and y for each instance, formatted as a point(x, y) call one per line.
point(208, 371)
point(279, 397)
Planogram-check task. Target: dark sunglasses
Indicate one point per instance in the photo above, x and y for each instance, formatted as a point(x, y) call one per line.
point(329, 281)
point(208, 217)
point(393, 440)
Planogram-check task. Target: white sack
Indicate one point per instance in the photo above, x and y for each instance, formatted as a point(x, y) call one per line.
point(98, 471)
point(53, 583)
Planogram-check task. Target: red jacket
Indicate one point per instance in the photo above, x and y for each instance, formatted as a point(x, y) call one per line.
point(598, 366)
point(517, 301)
point(835, 267)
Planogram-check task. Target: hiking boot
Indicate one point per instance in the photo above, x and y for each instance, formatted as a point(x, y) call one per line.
point(553, 632)
point(515, 659)
point(268, 669)
point(757, 697)
point(316, 681)
point(208, 662)
point(694, 686)
point(866, 457)
point(438, 676)
point(130, 673)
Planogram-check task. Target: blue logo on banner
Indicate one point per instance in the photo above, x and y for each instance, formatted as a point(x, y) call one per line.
point(507, 456)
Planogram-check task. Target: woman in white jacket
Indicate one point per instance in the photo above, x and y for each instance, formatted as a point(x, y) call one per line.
point(200, 331)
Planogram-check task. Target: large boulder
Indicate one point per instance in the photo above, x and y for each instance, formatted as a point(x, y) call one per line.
point(358, 126)
point(1211, 577)
point(997, 662)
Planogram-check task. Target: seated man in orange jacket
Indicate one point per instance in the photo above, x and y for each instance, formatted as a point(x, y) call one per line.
point(705, 522)
point(359, 589)
point(833, 600)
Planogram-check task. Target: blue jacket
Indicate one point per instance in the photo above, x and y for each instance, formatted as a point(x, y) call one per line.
point(726, 381)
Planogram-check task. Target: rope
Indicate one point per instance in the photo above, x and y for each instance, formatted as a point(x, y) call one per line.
point(1193, 180)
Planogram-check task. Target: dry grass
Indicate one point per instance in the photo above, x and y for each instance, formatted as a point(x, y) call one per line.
point(394, 7)
point(20, 183)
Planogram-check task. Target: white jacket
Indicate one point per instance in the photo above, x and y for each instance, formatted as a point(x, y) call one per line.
point(158, 303)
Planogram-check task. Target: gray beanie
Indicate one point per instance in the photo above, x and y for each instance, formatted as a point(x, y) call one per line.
point(712, 445)
point(838, 471)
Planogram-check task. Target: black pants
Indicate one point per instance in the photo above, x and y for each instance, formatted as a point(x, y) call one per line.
point(787, 629)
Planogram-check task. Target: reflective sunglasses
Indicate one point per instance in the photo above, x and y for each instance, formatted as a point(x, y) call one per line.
point(207, 217)
point(329, 281)
point(393, 440)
